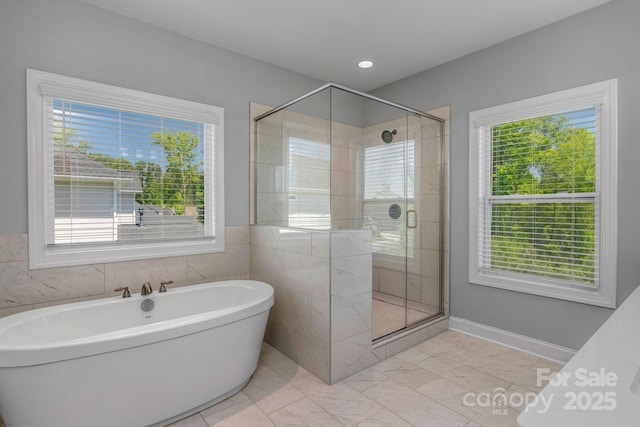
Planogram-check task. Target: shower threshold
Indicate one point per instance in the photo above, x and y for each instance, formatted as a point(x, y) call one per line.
point(388, 315)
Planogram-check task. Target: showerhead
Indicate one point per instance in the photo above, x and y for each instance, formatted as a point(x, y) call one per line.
point(387, 136)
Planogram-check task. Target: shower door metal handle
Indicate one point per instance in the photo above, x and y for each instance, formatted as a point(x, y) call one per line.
point(410, 223)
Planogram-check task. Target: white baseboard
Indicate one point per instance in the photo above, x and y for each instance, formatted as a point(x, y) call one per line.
point(523, 343)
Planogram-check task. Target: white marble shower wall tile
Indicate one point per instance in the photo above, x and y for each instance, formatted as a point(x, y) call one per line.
point(372, 134)
point(430, 129)
point(351, 355)
point(343, 183)
point(429, 180)
point(272, 125)
point(267, 264)
point(320, 318)
point(21, 286)
point(351, 293)
point(262, 236)
point(271, 207)
point(306, 127)
point(430, 154)
point(24, 289)
point(392, 282)
point(288, 239)
point(270, 150)
point(429, 207)
point(232, 263)
point(320, 244)
point(350, 316)
point(429, 235)
point(310, 352)
point(430, 263)
point(414, 287)
point(430, 293)
point(270, 178)
point(343, 224)
point(343, 207)
point(296, 241)
point(296, 263)
point(294, 309)
point(350, 275)
point(307, 273)
point(344, 159)
point(346, 136)
point(350, 242)
point(135, 273)
point(398, 284)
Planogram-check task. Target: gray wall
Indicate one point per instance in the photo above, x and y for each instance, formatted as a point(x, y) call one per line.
point(79, 40)
point(75, 39)
point(599, 44)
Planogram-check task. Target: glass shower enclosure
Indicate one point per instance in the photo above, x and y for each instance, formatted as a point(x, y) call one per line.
point(347, 214)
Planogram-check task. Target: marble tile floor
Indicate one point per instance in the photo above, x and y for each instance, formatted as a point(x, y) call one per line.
point(451, 380)
point(425, 385)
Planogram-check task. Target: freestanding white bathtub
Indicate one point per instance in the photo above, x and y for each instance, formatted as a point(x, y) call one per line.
point(109, 363)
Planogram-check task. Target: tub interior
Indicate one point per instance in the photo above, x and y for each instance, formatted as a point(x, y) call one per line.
point(82, 320)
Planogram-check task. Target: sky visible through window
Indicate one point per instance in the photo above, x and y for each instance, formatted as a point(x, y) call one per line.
point(117, 133)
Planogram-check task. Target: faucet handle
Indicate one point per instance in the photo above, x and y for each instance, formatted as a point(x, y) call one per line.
point(163, 284)
point(126, 293)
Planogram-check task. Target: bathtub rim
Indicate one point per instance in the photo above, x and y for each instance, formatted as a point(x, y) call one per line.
point(20, 355)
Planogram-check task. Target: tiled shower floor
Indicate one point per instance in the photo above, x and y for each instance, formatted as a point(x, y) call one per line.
point(422, 386)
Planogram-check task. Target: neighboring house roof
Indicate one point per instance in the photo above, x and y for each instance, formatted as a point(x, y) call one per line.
point(69, 163)
point(156, 210)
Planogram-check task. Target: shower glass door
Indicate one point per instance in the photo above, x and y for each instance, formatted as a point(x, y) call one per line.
point(385, 179)
point(395, 176)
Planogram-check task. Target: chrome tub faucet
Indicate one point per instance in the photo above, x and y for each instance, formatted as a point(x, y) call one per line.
point(146, 288)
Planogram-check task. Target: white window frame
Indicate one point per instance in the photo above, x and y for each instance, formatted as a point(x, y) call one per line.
point(602, 95)
point(42, 85)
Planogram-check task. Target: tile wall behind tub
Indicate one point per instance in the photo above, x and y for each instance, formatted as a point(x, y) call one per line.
point(23, 289)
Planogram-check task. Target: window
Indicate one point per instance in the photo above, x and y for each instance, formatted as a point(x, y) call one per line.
point(116, 174)
point(308, 184)
point(386, 168)
point(543, 195)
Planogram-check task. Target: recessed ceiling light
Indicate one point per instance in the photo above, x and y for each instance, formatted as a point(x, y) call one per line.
point(365, 64)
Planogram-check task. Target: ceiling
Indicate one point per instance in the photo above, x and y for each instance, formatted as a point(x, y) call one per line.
point(326, 38)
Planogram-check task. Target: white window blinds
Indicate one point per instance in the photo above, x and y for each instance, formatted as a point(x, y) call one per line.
point(389, 172)
point(120, 175)
point(308, 184)
point(386, 168)
point(540, 197)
